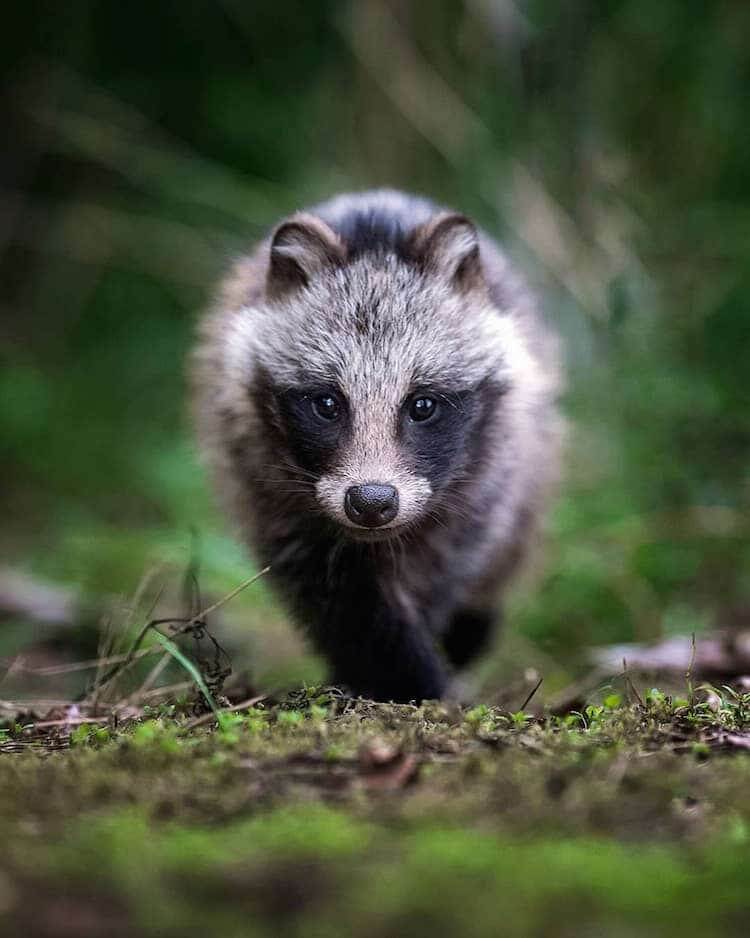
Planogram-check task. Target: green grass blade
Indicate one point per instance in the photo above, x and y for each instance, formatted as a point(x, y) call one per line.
point(188, 665)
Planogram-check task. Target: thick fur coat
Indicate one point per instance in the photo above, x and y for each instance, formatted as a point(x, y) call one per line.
point(379, 341)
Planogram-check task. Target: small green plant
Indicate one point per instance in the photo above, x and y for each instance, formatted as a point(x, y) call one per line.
point(81, 734)
point(594, 714)
point(157, 733)
point(318, 713)
point(255, 719)
point(477, 715)
point(230, 726)
point(290, 718)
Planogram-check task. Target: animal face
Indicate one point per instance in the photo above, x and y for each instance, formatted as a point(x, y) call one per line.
point(375, 363)
point(378, 457)
point(380, 378)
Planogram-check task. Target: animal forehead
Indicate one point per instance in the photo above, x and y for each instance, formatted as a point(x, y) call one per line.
point(378, 330)
point(364, 300)
point(384, 362)
point(388, 313)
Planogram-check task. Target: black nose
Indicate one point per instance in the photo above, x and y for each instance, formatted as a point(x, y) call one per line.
point(371, 505)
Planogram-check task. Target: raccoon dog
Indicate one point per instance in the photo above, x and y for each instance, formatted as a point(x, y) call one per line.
point(375, 395)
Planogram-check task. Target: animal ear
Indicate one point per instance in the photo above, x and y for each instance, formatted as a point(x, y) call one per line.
point(448, 246)
point(300, 248)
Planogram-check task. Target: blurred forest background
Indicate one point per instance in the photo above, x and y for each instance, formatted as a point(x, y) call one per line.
point(606, 143)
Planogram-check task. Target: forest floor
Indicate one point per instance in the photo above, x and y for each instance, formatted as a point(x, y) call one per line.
point(316, 815)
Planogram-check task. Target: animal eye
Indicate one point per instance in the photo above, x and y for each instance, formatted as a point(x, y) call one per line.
point(422, 408)
point(326, 407)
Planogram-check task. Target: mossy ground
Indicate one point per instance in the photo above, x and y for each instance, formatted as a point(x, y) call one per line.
point(319, 816)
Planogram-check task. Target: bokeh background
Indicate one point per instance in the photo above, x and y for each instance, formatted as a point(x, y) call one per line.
point(145, 144)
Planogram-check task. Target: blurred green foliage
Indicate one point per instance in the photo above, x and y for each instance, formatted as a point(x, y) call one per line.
point(318, 871)
point(607, 144)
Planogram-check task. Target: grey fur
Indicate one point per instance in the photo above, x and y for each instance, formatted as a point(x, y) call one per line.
point(379, 293)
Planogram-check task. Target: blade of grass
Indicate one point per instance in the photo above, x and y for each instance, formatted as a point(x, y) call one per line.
point(188, 665)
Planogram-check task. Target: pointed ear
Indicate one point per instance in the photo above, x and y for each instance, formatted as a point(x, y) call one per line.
point(300, 248)
point(448, 246)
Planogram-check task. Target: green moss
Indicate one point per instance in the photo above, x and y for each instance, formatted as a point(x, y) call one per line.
point(335, 817)
point(312, 870)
